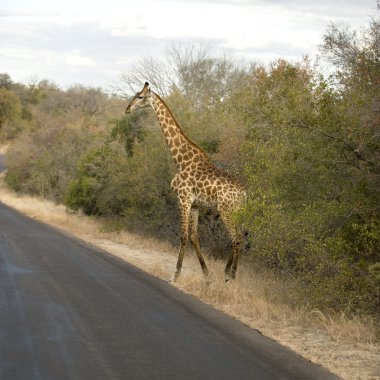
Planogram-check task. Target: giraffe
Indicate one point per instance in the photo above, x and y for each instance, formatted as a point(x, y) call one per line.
point(198, 182)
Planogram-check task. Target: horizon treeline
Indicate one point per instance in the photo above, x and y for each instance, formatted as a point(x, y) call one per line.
point(306, 145)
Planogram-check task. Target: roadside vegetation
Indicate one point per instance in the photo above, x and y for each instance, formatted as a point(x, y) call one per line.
point(306, 145)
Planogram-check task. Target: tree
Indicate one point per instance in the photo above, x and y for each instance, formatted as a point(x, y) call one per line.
point(356, 57)
point(129, 129)
point(10, 106)
point(5, 81)
point(313, 170)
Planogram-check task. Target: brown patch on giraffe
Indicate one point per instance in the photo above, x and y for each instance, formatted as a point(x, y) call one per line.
point(183, 149)
point(193, 150)
point(184, 175)
point(208, 190)
point(170, 129)
point(171, 122)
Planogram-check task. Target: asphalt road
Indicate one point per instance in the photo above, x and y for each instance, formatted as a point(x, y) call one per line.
point(72, 311)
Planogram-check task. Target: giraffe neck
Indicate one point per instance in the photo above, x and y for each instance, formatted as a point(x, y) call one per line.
point(181, 148)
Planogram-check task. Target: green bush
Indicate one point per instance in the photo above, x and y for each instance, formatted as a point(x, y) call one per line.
point(313, 209)
point(133, 189)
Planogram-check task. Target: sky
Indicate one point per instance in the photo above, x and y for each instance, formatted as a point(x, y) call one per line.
point(91, 43)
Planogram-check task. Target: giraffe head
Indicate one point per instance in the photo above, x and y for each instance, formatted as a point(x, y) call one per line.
point(141, 99)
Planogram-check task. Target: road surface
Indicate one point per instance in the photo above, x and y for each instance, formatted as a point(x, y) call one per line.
point(71, 311)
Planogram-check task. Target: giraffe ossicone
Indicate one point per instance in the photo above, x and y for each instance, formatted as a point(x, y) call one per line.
point(198, 182)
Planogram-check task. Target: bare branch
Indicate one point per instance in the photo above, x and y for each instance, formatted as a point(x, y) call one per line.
point(355, 150)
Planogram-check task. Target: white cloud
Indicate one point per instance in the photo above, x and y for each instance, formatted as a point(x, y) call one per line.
point(91, 41)
point(77, 59)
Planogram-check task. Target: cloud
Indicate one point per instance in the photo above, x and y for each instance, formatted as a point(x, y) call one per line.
point(338, 9)
point(278, 49)
point(88, 38)
point(77, 59)
point(91, 43)
point(78, 53)
point(11, 13)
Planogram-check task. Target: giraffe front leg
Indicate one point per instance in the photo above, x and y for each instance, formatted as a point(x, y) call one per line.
point(195, 241)
point(185, 216)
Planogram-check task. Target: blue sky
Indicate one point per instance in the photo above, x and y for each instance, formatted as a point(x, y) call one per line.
point(91, 43)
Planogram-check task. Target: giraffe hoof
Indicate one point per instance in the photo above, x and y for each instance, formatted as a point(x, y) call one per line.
point(174, 277)
point(228, 280)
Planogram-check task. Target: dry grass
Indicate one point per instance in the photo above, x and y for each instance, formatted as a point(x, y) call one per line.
point(3, 149)
point(347, 347)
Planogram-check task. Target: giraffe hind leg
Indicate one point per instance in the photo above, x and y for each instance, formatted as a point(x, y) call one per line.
point(231, 266)
point(227, 269)
point(236, 255)
point(193, 227)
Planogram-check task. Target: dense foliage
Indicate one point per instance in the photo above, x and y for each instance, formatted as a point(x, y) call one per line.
point(307, 147)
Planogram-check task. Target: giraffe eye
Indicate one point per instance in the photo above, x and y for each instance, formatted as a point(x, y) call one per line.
point(140, 97)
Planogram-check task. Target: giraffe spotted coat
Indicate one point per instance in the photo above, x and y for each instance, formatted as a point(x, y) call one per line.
point(198, 182)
